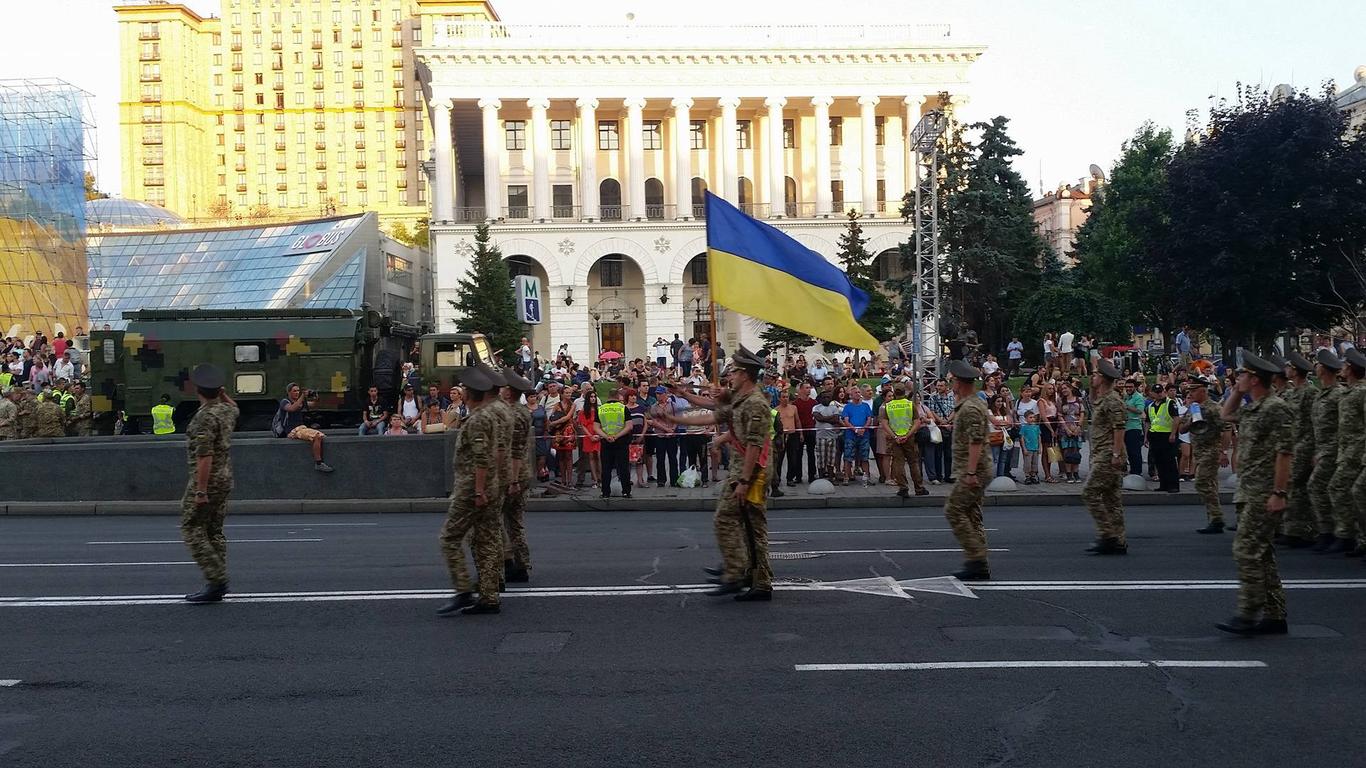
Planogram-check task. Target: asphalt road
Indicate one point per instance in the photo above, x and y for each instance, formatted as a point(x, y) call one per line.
point(328, 653)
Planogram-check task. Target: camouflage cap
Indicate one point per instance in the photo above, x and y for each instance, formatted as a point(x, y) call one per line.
point(1328, 360)
point(1107, 369)
point(1300, 362)
point(1201, 380)
point(207, 376)
point(518, 383)
point(1276, 360)
point(1355, 357)
point(962, 369)
point(1257, 365)
point(477, 378)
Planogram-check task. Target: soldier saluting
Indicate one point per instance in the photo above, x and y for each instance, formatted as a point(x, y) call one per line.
point(208, 439)
point(1266, 446)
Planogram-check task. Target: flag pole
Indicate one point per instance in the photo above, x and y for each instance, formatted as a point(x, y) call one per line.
point(715, 365)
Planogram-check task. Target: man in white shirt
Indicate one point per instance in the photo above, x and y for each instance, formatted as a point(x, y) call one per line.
point(990, 366)
point(662, 352)
point(64, 368)
point(1065, 343)
point(524, 352)
point(1015, 354)
point(819, 371)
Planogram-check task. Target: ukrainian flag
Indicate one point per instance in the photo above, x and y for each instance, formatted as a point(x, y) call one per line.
point(756, 269)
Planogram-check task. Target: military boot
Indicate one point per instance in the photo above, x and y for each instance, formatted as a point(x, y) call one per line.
point(1271, 627)
point(1238, 625)
point(1298, 542)
point(481, 607)
point(1216, 526)
point(1109, 547)
point(755, 594)
point(211, 593)
point(1340, 545)
point(1322, 543)
point(726, 588)
point(974, 570)
point(515, 573)
point(462, 600)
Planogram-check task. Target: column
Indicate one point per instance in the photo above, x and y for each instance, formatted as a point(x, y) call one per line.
point(824, 201)
point(730, 161)
point(540, 158)
point(442, 208)
point(493, 158)
point(868, 204)
point(893, 164)
point(775, 167)
point(635, 160)
point(682, 152)
point(588, 158)
point(912, 117)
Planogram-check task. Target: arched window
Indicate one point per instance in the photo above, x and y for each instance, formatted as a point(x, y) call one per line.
point(520, 265)
point(699, 197)
point(746, 195)
point(609, 199)
point(887, 266)
point(790, 196)
point(654, 199)
point(697, 269)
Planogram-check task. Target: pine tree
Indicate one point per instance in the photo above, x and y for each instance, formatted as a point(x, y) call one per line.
point(777, 336)
point(881, 319)
point(484, 298)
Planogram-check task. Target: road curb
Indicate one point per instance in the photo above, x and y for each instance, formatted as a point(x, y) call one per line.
point(585, 502)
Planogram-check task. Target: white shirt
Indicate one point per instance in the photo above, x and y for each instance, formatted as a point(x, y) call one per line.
point(990, 366)
point(64, 369)
point(819, 372)
point(525, 352)
point(1016, 350)
point(1026, 406)
point(833, 409)
point(661, 348)
point(1065, 343)
point(1048, 346)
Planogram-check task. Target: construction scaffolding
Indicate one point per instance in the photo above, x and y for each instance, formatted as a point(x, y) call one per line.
point(46, 147)
point(926, 347)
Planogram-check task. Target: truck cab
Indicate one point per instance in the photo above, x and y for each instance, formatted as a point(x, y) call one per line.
point(443, 354)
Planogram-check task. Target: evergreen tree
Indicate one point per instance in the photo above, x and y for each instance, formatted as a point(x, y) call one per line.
point(484, 297)
point(881, 319)
point(789, 340)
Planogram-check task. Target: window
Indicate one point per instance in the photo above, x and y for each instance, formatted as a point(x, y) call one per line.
point(517, 201)
point(789, 134)
point(837, 195)
point(880, 130)
point(881, 194)
point(746, 194)
point(650, 135)
point(562, 201)
point(609, 137)
point(514, 132)
point(698, 133)
point(249, 383)
point(742, 134)
point(699, 197)
point(836, 131)
point(609, 271)
point(246, 353)
point(697, 268)
point(609, 199)
point(561, 134)
point(654, 199)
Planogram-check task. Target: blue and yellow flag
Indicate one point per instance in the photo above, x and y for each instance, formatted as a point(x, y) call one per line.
point(758, 270)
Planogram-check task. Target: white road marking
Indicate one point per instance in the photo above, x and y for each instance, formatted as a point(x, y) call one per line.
point(9, 683)
point(1080, 664)
point(1178, 585)
point(301, 525)
point(859, 517)
point(875, 551)
point(88, 565)
point(874, 530)
point(179, 541)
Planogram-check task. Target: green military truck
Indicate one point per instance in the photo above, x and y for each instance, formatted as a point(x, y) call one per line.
point(337, 353)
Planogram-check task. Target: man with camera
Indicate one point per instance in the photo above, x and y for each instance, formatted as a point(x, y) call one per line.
point(289, 422)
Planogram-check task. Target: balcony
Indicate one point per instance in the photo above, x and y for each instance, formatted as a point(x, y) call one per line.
point(277, 46)
point(237, 87)
point(319, 103)
point(280, 146)
point(485, 34)
point(400, 143)
point(321, 165)
point(358, 64)
point(317, 86)
point(398, 82)
point(281, 187)
point(400, 123)
point(358, 125)
point(321, 185)
point(317, 45)
point(236, 67)
point(235, 47)
point(150, 78)
point(282, 166)
point(360, 165)
point(151, 119)
point(241, 166)
point(319, 125)
point(402, 162)
point(402, 184)
point(150, 97)
point(356, 44)
point(321, 145)
point(317, 64)
point(239, 127)
point(358, 84)
point(240, 146)
point(359, 103)
point(279, 126)
point(241, 187)
point(397, 42)
point(153, 160)
point(152, 35)
point(151, 139)
point(149, 56)
point(360, 145)
point(360, 184)
point(277, 66)
point(397, 63)
point(279, 86)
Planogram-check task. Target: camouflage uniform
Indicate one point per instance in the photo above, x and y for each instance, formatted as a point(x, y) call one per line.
point(963, 508)
point(1299, 511)
point(1207, 441)
point(201, 525)
point(514, 505)
point(24, 420)
point(742, 526)
point(1351, 428)
point(1325, 444)
point(1265, 431)
point(476, 447)
point(1102, 491)
point(9, 419)
point(48, 420)
point(79, 423)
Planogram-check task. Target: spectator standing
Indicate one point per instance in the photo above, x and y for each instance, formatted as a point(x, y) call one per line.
point(1002, 451)
point(665, 439)
point(591, 448)
point(1050, 350)
point(64, 368)
point(676, 350)
point(1162, 416)
point(614, 430)
point(635, 451)
point(1070, 412)
point(806, 421)
point(685, 357)
point(827, 415)
point(1015, 355)
point(1133, 426)
point(562, 425)
point(855, 417)
point(940, 404)
point(39, 375)
point(1029, 448)
point(524, 355)
point(1183, 346)
point(789, 416)
point(662, 351)
point(538, 433)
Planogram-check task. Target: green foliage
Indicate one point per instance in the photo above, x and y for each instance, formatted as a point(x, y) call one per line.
point(881, 319)
point(484, 298)
point(421, 237)
point(91, 191)
point(1123, 250)
point(399, 231)
point(776, 336)
point(1064, 305)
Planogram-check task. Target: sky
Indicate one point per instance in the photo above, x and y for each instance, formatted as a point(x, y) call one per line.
point(1075, 78)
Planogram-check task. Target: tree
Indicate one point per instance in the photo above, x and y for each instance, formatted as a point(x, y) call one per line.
point(484, 298)
point(993, 251)
point(220, 209)
point(1271, 213)
point(1063, 304)
point(261, 211)
point(786, 338)
point(881, 319)
point(91, 191)
point(1123, 250)
point(421, 237)
point(399, 231)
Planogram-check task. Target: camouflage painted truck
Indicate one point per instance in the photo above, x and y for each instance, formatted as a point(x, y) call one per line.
point(338, 354)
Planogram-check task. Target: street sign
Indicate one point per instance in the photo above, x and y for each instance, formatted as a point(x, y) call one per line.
point(528, 292)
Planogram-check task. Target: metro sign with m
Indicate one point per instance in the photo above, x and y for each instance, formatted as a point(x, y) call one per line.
point(528, 292)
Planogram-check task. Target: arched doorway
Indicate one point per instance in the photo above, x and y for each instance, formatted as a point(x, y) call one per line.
point(746, 195)
point(887, 266)
point(790, 196)
point(609, 199)
point(699, 197)
point(616, 302)
point(654, 199)
point(539, 335)
point(697, 318)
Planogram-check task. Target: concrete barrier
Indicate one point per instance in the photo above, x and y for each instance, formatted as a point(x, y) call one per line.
point(138, 468)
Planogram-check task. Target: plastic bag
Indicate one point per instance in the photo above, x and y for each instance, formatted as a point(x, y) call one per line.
point(936, 435)
point(689, 478)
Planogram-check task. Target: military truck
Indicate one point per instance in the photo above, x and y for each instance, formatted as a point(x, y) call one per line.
point(338, 354)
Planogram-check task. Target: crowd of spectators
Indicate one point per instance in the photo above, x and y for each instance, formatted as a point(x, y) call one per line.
point(45, 370)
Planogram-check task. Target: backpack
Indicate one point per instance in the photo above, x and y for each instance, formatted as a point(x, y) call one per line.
point(279, 423)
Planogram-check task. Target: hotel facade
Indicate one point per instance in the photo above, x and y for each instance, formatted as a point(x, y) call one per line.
point(589, 148)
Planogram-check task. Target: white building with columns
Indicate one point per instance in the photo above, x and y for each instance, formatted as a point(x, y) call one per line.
point(590, 147)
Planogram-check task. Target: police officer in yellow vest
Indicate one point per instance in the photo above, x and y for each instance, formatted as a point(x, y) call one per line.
point(899, 416)
point(6, 379)
point(163, 422)
point(1163, 448)
point(614, 429)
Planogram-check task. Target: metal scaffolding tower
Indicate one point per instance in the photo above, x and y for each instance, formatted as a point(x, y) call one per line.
point(46, 145)
point(927, 349)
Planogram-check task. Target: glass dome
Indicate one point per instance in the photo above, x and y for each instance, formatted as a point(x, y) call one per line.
point(118, 212)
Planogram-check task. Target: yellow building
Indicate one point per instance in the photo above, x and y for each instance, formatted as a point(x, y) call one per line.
point(280, 107)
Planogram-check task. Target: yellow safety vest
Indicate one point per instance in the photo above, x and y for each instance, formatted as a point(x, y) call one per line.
point(613, 418)
point(68, 402)
point(162, 423)
point(900, 414)
point(5, 379)
point(1160, 417)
